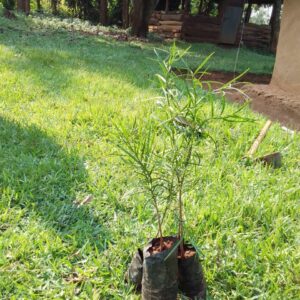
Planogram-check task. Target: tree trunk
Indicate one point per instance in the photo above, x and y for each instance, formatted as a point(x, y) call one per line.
point(141, 13)
point(20, 5)
point(248, 12)
point(275, 24)
point(125, 13)
point(38, 5)
point(27, 7)
point(103, 12)
point(54, 7)
point(23, 6)
point(200, 7)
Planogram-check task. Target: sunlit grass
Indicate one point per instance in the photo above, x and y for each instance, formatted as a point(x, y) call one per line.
point(60, 94)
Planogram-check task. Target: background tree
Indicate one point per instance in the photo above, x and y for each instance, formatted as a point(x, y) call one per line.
point(23, 6)
point(54, 9)
point(8, 4)
point(85, 9)
point(125, 13)
point(103, 7)
point(206, 7)
point(248, 12)
point(38, 5)
point(141, 13)
point(115, 12)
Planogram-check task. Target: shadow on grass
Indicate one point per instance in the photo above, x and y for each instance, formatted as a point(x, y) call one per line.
point(50, 56)
point(52, 59)
point(43, 179)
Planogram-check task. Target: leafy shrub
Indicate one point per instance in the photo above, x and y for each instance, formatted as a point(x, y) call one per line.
point(164, 147)
point(8, 4)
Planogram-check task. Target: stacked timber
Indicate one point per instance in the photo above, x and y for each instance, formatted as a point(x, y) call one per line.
point(167, 25)
point(201, 29)
point(257, 36)
point(205, 29)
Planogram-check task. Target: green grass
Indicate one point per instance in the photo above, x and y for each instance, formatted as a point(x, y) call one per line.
point(224, 58)
point(60, 94)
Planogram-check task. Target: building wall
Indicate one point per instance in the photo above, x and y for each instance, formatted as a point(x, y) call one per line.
point(286, 73)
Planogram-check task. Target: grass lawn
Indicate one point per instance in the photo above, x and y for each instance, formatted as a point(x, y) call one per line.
point(60, 94)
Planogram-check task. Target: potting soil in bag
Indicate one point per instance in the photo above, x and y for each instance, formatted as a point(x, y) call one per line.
point(160, 271)
point(191, 277)
point(134, 273)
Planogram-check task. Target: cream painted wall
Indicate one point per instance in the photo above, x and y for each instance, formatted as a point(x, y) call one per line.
point(286, 73)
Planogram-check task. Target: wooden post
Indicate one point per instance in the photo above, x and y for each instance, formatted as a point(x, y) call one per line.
point(259, 139)
point(221, 8)
point(248, 12)
point(167, 6)
point(187, 6)
point(273, 15)
point(200, 7)
point(125, 14)
point(275, 24)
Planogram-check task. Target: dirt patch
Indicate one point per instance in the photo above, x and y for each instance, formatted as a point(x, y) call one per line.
point(224, 77)
point(267, 99)
point(167, 244)
point(272, 102)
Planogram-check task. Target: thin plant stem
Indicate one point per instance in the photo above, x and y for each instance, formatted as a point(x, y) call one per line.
point(180, 229)
point(158, 220)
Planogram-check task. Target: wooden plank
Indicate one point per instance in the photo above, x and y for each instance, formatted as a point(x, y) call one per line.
point(153, 21)
point(172, 23)
point(170, 28)
point(201, 19)
point(172, 17)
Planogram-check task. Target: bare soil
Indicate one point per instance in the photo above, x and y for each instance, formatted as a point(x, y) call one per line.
point(224, 77)
point(267, 99)
point(167, 244)
point(275, 103)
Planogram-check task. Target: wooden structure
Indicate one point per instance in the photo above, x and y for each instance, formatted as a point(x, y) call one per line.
point(167, 25)
point(225, 28)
